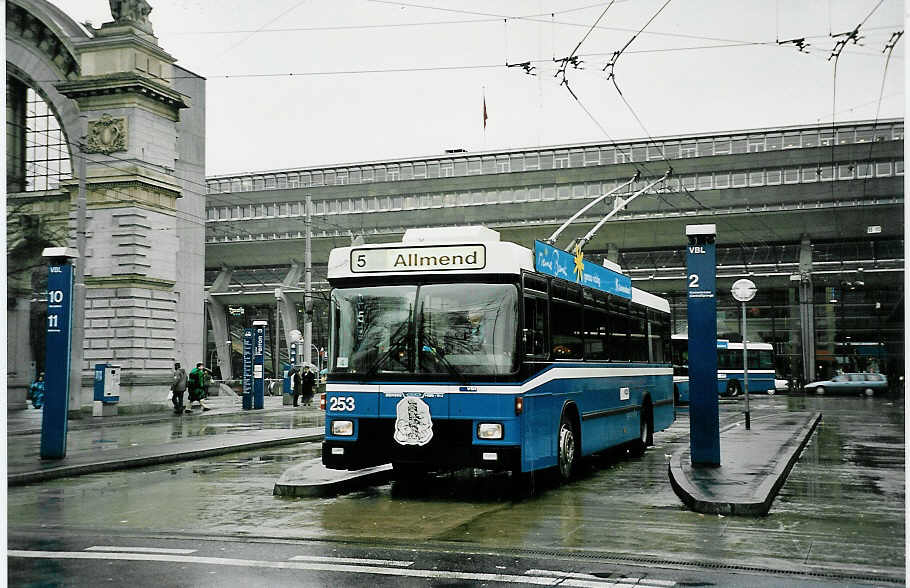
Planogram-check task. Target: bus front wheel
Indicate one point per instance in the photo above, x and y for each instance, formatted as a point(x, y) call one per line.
point(733, 388)
point(644, 431)
point(567, 448)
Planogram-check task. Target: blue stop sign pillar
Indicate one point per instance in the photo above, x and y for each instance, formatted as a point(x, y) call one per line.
point(57, 357)
point(701, 290)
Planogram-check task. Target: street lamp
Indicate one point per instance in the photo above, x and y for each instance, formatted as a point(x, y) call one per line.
point(744, 291)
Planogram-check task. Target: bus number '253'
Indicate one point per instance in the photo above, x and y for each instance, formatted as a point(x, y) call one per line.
point(341, 403)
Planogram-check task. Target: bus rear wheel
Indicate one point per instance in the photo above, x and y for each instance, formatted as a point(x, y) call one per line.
point(733, 388)
point(567, 448)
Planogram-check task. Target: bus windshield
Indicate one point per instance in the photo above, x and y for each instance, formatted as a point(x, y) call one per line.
point(454, 329)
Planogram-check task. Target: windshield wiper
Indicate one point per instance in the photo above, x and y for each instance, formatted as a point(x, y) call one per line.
point(400, 335)
point(433, 348)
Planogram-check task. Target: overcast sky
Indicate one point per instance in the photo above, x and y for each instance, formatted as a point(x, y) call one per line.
point(699, 66)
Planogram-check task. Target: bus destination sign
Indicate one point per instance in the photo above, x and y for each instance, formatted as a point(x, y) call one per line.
point(561, 264)
point(418, 259)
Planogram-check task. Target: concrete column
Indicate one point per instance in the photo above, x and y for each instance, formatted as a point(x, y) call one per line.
point(806, 310)
point(288, 306)
point(217, 314)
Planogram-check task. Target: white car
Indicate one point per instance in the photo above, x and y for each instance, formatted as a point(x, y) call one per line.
point(780, 386)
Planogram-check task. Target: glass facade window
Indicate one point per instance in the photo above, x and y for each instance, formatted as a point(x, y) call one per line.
point(740, 145)
point(474, 167)
point(639, 154)
point(864, 135)
point(687, 150)
point(433, 169)
point(722, 180)
point(773, 176)
point(546, 160)
point(809, 139)
point(355, 176)
point(548, 193)
point(826, 173)
point(392, 173)
point(407, 171)
point(247, 184)
point(671, 150)
point(516, 163)
point(655, 152)
point(592, 157)
point(259, 183)
point(502, 165)
point(576, 158)
point(722, 146)
point(739, 179)
point(235, 185)
point(899, 167)
point(561, 159)
point(446, 169)
point(341, 178)
point(791, 141)
point(791, 175)
point(844, 136)
point(688, 182)
point(379, 173)
point(460, 167)
point(810, 174)
point(225, 185)
point(756, 143)
point(623, 155)
point(532, 161)
point(863, 170)
point(270, 183)
point(757, 178)
point(845, 172)
point(826, 138)
point(306, 180)
point(897, 132)
point(563, 192)
point(883, 168)
point(774, 142)
point(534, 193)
point(705, 181)
point(318, 178)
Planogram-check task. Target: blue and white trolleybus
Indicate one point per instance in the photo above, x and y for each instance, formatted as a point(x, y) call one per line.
point(454, 349)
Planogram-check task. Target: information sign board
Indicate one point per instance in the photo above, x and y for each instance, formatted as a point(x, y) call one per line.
point(57, 361)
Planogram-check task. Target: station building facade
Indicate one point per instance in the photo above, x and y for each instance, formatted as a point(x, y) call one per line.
point(105, 139)
point(813, 215)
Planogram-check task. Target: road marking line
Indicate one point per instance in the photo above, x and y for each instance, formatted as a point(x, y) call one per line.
point(293, 565)
point(353, 560)
point(115, 548)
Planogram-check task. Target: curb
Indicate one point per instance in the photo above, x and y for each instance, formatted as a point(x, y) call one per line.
point(768, 489)
point(23, 478)
point(346, 482)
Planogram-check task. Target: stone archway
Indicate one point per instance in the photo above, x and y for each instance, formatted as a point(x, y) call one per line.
point(39, 54)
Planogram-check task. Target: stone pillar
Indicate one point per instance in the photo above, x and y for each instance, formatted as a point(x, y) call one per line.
point(125, 94)
point(18, 349)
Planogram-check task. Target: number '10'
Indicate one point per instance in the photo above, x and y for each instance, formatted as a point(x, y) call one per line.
point(55, 296)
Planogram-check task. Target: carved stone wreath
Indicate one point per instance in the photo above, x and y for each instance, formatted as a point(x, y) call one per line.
point(106, 135)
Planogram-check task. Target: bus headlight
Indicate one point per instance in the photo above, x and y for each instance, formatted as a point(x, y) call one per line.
point(489, 431)
point(343, 428)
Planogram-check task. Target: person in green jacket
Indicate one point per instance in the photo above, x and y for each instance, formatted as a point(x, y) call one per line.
point(196, 386)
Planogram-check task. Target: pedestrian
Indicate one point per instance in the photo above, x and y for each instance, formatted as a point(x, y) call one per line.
point(196, 387)
point(178, 387)
point(296, 384)
point(36, 391)
point(308, 382)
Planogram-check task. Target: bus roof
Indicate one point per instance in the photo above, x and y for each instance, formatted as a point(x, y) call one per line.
point(469, 250)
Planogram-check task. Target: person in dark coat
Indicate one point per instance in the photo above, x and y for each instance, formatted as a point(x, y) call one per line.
point(178, 387)
point(296, 384)
point(196, 387)
point(308, 382)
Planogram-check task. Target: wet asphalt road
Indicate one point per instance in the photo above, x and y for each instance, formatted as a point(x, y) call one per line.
point(839, 519)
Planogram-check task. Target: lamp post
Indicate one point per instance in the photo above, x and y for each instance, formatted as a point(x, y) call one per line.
point(744, 291)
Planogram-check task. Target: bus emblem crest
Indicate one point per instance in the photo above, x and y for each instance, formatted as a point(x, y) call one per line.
point(413, 425)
